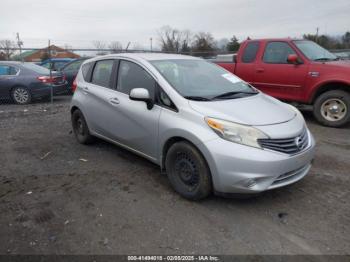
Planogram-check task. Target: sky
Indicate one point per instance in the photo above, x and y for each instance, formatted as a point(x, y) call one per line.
point(78, 23)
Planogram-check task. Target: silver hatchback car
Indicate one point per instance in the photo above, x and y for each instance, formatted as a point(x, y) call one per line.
point(208, 130)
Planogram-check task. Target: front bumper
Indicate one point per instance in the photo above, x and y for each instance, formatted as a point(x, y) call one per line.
point(237, 168)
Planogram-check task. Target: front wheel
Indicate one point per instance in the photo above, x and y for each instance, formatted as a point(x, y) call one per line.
point(333, 108)
point(188, 171)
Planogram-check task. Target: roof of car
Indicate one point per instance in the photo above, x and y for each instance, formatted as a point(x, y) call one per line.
point(12, 62)
point(275, 39)
point(152, 56)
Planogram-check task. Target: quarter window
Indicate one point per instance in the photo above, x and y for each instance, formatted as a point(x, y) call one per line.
point(132, 76)
point(250, 52)
point(277, 53)
point(102, 73)
point(86, 70)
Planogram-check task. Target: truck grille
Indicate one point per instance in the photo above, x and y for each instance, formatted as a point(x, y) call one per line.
point(288, 145)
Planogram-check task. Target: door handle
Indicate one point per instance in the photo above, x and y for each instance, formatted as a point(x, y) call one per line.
point(260, 70)
point(114, 101)
point(85, 88)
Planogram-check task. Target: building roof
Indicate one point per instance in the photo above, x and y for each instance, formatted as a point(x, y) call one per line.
point(28, 53)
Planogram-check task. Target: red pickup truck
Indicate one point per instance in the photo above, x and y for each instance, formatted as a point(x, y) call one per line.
point(298, 71)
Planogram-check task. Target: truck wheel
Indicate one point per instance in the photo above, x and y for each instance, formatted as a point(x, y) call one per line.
point(333, 108)
point(188, 171)
point(80, 128)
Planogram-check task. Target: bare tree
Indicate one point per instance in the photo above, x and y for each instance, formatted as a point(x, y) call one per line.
point(204, 44)
point(187, 38)
point(115, 47)
point(100, 46)
point(7, 47)
point(174, 40)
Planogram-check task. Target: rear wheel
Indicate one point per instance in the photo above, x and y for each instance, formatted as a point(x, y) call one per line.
point(188, 171)
point(333, 108)
point(21, 95)
point(80, 128)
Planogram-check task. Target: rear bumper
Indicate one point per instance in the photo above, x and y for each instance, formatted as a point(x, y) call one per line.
point(61, 89)
point(242, 169)
point(45, 90)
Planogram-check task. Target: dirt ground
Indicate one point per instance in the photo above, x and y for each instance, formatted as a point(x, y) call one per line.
point(60, 197)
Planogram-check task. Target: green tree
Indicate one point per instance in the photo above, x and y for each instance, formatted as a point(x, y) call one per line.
point(346, 39)
point(233, 45)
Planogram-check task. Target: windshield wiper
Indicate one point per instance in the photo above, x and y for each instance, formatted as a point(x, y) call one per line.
point(197, 98)
point(324, 59)
point(234, 93)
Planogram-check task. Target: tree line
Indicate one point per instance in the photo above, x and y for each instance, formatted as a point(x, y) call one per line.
point(173, 40)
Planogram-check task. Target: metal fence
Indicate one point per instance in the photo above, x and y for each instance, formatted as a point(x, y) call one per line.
point(11, 72)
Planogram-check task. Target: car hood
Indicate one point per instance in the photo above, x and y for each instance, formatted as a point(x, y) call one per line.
point(257, 110)
point(343, 65)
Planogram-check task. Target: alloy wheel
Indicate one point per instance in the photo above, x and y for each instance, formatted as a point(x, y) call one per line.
point(21, 95)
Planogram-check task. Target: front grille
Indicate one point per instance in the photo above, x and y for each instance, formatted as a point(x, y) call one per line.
point(287, 145)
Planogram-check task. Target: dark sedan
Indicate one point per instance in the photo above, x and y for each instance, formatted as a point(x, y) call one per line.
point(71, 70)
point(24, 82)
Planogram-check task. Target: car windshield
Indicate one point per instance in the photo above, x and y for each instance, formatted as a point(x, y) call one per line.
point(201, 80)
point(313, 51)
point(36, 68)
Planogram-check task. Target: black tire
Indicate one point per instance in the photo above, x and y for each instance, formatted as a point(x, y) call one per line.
point(341, 100)
point(188, 171)
point(21, 95)
point(80, 128)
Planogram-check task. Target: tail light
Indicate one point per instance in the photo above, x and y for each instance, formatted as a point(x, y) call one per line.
point(46, 79)
point(74, 85)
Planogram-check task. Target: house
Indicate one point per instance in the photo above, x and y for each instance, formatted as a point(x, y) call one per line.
point(42, 54)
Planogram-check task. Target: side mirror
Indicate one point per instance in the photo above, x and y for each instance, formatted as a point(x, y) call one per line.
point(141, 94)
point(293, 59)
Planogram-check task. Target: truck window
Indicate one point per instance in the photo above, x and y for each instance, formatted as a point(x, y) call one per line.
point(277, 53)
point(250, 52)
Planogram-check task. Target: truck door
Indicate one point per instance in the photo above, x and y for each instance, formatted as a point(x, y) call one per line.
point(275, 76)
point(245, 68)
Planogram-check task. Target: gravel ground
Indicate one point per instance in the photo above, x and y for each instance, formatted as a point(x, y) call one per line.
point(60, 197)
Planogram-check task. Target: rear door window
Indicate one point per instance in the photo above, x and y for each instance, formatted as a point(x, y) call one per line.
point(102, 73)
point(250, 51)
point(7, 70)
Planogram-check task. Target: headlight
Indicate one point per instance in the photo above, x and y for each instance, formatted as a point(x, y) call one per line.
point(245, 135)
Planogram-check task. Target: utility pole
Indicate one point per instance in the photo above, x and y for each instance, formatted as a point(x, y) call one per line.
point(317, 29)
point(49, 53)
point(19, 43)
point(151, 39)
point(127, 47)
